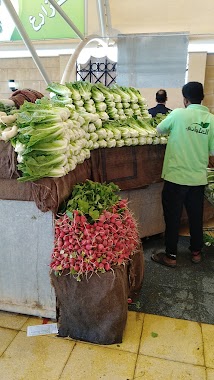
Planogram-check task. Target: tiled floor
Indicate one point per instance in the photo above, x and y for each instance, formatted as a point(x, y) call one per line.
point(153, 348)
point(186, 292)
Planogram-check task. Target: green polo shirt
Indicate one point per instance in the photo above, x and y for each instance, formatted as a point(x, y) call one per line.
point(190, 142)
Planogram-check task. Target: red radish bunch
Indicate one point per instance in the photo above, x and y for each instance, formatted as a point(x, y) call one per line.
point(81, 247)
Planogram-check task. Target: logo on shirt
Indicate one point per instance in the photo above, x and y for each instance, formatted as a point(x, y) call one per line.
point(199, 128)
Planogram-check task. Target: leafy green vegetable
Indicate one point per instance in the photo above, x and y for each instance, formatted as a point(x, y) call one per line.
point(83, 87)
point(106, 92)
point(208, 239)
point(154, 121)
point(59, 89)
point(35, 167)
point(79, 117)
point(61, 101)
point(92, 198)
point(74, 91)
point(209, 189)
point(7, 106)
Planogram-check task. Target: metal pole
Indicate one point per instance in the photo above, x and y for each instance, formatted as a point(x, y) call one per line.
point(86, 17)
point(108, 15)
point(101, 13)
point(67, 19)
point(72, 60)
point(26, 40)
point(104, 17)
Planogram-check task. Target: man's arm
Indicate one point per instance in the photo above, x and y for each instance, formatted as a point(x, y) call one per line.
point(165, 125)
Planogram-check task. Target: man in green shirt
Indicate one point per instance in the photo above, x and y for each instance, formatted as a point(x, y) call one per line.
point(190, 143)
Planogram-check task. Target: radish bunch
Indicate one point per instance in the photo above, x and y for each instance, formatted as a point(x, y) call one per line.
point(82, 248)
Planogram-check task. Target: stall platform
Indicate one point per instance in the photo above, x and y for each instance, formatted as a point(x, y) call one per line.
point(27, 211)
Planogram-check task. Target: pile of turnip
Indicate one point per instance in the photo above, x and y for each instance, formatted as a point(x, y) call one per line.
point(97, 240)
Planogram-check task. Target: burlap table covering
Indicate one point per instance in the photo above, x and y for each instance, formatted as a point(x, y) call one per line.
point(128, 167)
point(47, 193)
point(8, 163)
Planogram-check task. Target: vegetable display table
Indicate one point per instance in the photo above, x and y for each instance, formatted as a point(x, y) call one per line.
point(27, 209)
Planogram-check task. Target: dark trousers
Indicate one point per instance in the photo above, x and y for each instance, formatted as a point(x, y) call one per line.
point(174, 197)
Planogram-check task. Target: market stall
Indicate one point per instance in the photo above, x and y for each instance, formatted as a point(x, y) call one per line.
point(27, 229)
point(87, 143)
point(27, 211)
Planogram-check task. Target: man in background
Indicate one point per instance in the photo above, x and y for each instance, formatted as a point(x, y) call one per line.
point(190, 143)
point(161, 98)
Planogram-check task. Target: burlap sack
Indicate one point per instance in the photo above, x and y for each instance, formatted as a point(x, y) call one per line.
point(95, 309)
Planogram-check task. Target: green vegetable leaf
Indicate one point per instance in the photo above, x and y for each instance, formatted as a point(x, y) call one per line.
point(154, 335)
point(58, 89)
point(83, 205)
point(138, 305)
point(92, 198)
point(70, 214)
point(94, 213)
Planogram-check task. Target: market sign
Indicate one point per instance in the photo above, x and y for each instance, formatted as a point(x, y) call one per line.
point(41, 20)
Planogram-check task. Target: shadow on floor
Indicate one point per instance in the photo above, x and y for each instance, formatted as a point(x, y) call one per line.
point(184, 292)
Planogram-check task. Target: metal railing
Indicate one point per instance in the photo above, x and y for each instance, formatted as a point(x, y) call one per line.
point(104, 71)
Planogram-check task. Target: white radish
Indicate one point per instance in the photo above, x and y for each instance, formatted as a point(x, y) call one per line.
point(6, 135)
point(8, 119)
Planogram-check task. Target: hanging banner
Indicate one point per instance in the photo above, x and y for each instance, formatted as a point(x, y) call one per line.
point(41, 20)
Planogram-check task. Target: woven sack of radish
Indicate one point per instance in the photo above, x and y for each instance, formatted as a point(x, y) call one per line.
point(96, 253)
